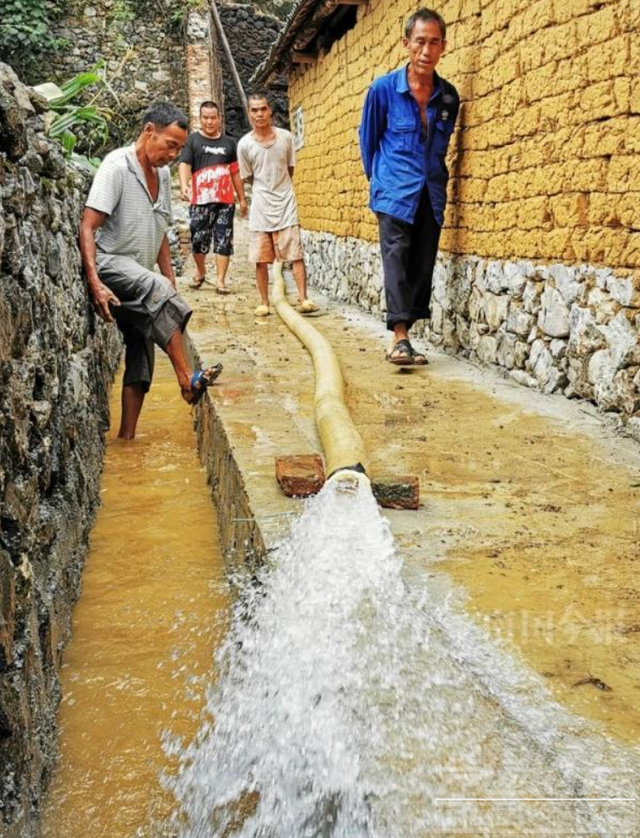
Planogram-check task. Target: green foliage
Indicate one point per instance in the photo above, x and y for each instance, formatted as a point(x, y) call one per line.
point(25, 34)
point(177, 14)
point(87, 123)
point(123, 11)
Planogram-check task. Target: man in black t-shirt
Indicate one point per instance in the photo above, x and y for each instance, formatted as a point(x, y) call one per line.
point(208, 177)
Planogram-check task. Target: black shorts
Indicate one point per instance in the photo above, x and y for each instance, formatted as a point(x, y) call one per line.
point(212, 221)
point(150, 311)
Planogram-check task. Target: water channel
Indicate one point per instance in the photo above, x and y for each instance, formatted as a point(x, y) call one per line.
point(153, 608)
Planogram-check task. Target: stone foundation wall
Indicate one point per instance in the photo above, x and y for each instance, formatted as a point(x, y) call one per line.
point(560, 329)
point(56, 367)
point(250, 34)
point(143, 47)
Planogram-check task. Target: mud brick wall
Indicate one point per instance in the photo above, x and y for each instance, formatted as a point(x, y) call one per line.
point(56, 368)
point(540, 253)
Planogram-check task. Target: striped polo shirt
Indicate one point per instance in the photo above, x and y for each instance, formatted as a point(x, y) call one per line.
point(136, 224)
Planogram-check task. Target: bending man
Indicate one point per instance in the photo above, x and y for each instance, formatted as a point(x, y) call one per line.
point(122, 237)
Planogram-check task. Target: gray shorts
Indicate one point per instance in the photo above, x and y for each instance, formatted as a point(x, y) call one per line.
point(150, 312)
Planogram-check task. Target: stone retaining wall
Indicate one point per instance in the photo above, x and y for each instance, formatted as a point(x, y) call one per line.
point(240, 536)
point(143, 47)
point(250, 34)
point(56, 367)
point(560, 329)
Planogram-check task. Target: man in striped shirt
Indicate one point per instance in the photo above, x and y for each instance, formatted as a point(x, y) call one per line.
point(122, 238)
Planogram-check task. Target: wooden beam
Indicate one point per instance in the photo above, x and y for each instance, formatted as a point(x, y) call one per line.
point(303, 58)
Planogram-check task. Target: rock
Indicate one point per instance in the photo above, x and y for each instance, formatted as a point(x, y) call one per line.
point(586, 336)
point(626, 390)
point(518, 320)
point(521, 352)
point(603, 304)
point(7, 610)
point(515, 277)
point(496, 309)
point(566, 282)
point(556, 381)
point(475, 304)
point(531, 297)
point(521, 377)
point(622, 341)
point(625, 290)
point(301, 475)
point(13, 127)
point(487, 349)
point(397, 492)
point(553, 318)
point(633, 427)
point(496, 278)
point(601, 371)
point(505, 352)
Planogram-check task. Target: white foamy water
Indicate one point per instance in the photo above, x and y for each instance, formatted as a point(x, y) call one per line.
point(350, 705)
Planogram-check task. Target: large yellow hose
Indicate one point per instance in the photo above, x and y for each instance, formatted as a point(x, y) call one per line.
point(343, 446)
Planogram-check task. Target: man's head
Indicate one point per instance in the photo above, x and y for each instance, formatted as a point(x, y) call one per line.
point(424, 39)
point(210, 121)
point(260, 112)
point(164, 132)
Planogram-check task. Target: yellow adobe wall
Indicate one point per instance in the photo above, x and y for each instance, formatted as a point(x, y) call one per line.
point(545, 162)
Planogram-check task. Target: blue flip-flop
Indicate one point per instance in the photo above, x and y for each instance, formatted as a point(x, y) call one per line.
point(201, 379)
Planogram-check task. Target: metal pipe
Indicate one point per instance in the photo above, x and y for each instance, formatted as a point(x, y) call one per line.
point(227, 52)
point(344, 449)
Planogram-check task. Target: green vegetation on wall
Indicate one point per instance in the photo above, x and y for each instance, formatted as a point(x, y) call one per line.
point(25, 35)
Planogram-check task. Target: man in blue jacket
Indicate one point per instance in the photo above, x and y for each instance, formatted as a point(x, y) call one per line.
point(407, 121)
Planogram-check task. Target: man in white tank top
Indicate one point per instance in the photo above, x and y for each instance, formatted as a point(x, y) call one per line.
point(266, 157)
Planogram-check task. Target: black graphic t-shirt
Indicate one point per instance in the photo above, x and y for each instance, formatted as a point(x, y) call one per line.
point(212, 162)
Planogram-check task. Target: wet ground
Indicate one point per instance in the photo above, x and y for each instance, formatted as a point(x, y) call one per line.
point(529, 503)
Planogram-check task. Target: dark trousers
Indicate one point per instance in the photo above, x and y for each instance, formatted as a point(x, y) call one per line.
point(408, 257)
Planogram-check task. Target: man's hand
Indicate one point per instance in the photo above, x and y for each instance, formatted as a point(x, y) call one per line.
point(243, 208)
point(102, 296)
point(185, 193)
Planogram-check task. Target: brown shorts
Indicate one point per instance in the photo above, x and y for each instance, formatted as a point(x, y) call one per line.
point(279, 246)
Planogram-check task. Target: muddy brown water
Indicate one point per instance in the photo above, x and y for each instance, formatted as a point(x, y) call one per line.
point(153, 608)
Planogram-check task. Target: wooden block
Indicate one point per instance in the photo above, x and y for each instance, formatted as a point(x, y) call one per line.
point(300, 475)
point(397, 492)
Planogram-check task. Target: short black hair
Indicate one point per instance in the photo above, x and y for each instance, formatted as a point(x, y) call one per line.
point(260, 94)
point(162, 114)
point(209, 104)
point(425, 15)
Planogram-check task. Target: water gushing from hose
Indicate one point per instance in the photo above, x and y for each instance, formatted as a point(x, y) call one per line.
point(344, 710)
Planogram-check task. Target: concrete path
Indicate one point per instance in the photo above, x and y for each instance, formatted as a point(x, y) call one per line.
point(529, 515)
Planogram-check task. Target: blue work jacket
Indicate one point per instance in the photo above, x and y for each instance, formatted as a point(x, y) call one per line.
point(399, 160)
